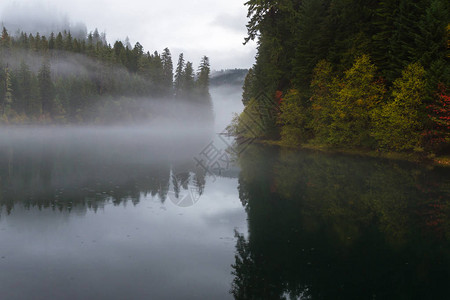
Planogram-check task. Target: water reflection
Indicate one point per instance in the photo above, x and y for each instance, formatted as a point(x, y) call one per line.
point(337, 227)
point(319, 226)
point(83, 168)
point(95, 214)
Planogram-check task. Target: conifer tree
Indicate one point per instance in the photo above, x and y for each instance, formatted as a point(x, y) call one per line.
point(24, 88)
point(248, 88)
point(68, 42)
point(59, 43)
point(37, 42)
point(310, 39)
point(8, 92)
point(46, 88)
point(5, 41)
point(202, 82)
point(188, 80)
point(324, 92)
point(167, 80)
point(179, 76)
point(384, 20)
point(51, 41)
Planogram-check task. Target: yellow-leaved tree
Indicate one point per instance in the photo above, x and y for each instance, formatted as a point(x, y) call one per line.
point(399, 123)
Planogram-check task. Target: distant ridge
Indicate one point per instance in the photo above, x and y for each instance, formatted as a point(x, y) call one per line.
point(228, 77)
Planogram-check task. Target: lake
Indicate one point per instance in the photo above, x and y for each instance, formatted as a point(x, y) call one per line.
point(133, 213)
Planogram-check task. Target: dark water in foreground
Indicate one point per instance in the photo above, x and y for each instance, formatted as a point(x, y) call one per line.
point(100, 217)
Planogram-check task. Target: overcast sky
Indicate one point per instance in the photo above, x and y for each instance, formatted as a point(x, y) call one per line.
point(215, 28)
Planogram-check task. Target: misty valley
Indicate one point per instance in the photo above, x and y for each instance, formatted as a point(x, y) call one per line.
point(307, 159)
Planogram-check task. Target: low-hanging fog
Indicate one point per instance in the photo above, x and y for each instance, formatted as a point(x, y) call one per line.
point(226, 102)
point(133, 136)
point(38, 17)
point(115, 142)
point(170, 123)
point(39, 161)
point(161, 128)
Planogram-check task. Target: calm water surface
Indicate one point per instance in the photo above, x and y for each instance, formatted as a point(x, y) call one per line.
point(127, 214)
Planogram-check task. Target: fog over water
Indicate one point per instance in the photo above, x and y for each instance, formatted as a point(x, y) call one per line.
point(90, 211)
point(226, 102)
point(57, 158)
point(169, 129)
point(125, 212)
point(135, 192)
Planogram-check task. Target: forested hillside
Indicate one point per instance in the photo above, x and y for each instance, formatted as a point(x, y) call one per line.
point(350, 73)
point(228, 77)
point(63, 79)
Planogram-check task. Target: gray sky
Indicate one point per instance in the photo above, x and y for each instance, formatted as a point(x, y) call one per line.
point(215, 28)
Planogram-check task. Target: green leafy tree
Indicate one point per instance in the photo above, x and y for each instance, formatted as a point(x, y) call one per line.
point(294, 118)
point(399, 123)
point(360, 92)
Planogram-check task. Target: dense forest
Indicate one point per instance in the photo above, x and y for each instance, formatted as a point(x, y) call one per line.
point(349, 74)
point(62, 79)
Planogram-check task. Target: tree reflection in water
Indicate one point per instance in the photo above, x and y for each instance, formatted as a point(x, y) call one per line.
point(339, 227)
point(58, 176)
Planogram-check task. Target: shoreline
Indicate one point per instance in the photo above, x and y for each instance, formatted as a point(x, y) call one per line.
point(440, 161)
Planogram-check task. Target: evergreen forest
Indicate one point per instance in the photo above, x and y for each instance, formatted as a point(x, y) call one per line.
point(354, 74)
point(62, 79)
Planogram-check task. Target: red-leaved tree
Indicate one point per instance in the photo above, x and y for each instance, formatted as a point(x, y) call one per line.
point(439, 114)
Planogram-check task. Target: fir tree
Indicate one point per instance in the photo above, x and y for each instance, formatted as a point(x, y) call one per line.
point(46, 88)
point(167, 80)
point(188, 80)
point(202, 82)
point(179, 76)
point(5, 41)
point(248, 88)
point(8, 92)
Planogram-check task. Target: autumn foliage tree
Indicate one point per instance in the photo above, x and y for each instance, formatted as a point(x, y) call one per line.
point(438, 135)
point(360, 92)
point(294, 119)
point(399, 123)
